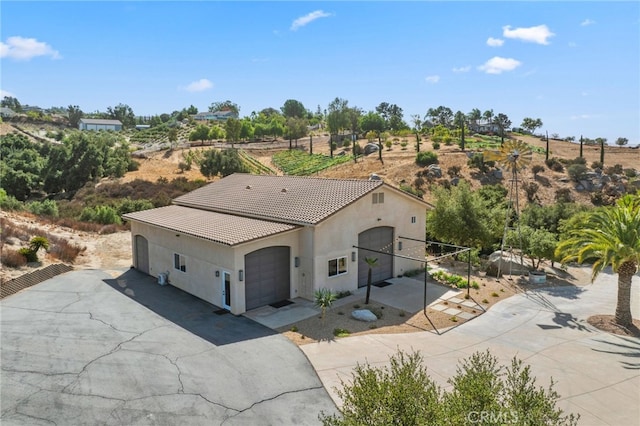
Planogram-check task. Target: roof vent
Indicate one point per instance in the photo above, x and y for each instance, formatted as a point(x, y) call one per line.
point(283, 190)
point(248, 187)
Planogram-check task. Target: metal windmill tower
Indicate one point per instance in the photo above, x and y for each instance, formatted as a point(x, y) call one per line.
point(512, 157)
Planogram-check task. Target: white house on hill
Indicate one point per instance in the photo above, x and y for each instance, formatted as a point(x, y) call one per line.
point(246, 241)
point(99, 124)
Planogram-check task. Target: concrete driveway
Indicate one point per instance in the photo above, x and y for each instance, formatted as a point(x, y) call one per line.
point(84, 349)
point(597, 374)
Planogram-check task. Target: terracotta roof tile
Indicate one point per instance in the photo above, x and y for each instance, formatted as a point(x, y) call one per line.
point(289, 199)
point(218, 227)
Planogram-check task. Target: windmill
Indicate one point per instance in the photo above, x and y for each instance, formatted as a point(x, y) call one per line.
point(512, 156)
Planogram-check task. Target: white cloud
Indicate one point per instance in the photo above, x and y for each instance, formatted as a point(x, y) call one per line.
point(308, 18)
point(494, 42)
point(538, 34)
point(199, 86)
point(581, 117)
point(587, 22)
point(432, 79)
point(4, 93)
point(498, 65)
point(462, 69)
point(23, 49)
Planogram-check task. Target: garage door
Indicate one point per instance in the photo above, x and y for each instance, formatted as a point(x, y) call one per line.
point(378, 239)
point(267, 276)
point(142, 254)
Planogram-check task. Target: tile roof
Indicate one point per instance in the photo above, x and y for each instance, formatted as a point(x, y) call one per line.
point(289, 199)
point(218, 227)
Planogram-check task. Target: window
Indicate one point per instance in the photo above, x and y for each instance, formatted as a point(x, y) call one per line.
point(378, 197)
point(338, 266)
point(179, 262)
point(413, 219)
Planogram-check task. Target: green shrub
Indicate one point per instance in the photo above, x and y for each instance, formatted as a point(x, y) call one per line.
point(104, 215)
point(341, 332)
point(29, 255)
point(577, 172)
point(9, 202)
point(128, 205)
point(425, 158)
point(323, 299)
point(596, 165)
point(436, 145)
point(44, 208)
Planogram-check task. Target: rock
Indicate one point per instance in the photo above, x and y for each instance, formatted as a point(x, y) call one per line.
point(564, 179)
point(434, 170)
point(605, 179)
point(374, 176)
point(635, 184)
point(364, 315)
point(585, 184)
point(370, 148)
point(454, 181)
point(507, 263)
point(497, 173)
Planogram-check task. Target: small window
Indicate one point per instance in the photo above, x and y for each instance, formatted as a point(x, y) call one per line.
point(338, 266)
point(378, 198)
point(413, 219)
point(179, 262)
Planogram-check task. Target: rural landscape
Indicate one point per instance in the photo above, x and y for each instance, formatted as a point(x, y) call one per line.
point(64, 192)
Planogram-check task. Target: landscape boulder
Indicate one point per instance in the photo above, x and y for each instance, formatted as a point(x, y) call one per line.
point(433, 170)
point(370, 148)
point(364, 315)
point(497, 173)
point(508, 263)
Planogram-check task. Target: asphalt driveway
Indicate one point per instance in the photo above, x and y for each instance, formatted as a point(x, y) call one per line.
point(84, 348)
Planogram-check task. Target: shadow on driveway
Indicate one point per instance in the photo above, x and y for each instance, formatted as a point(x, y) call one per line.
point(189, 312)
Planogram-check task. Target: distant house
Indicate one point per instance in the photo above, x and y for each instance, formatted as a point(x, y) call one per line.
point(143, 126)
point(220, 116)
point(7, 112)
point(248, 241)
point(99, 124)
point(484, 128)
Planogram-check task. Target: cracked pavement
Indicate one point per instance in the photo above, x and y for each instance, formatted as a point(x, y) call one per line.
point(80, 350)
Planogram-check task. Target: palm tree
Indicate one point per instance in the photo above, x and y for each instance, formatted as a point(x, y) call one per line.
point(610, 237)
point(372, 263)
point(488, 116)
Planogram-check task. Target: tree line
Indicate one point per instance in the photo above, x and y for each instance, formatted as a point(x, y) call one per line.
point(291, 120)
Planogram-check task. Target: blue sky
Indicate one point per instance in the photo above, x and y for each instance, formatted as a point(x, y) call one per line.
point(575, 65)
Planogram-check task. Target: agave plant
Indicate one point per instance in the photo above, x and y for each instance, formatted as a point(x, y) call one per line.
point(323, 299)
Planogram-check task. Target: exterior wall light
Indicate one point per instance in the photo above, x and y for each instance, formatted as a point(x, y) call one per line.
point(399, 245)
point(240, 275)
point(353, 256)
point(296, 261)
point(217, 273)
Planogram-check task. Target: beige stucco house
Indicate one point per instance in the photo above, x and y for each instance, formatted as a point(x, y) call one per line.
point(246, 241)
